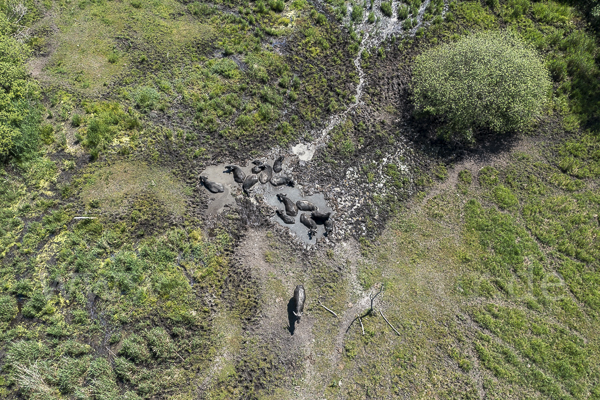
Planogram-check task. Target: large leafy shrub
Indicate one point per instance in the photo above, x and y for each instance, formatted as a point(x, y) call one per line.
point(487, 80)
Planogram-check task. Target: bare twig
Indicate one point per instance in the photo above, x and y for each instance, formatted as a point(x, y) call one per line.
point(373, 297)
point(361, 326)
point(328, 309)
point(179, 356)
point(110, 351)
point(32, 378)
point(388, 322)
point(85, 218)
point(16, 12)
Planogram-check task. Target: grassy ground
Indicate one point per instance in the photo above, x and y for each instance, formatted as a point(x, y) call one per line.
point(486, 300)
point(490, 271)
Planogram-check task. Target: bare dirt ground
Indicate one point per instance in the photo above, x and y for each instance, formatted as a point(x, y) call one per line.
point(37, 64)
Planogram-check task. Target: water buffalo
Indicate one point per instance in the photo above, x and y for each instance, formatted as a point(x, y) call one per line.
point(249, 182)
point(258, 166)
point(282, 180)
point(212, 186)
point(320, 216)
point(329, 226)
point(304, 205)
point(266, 174)
point(286, 218)
point(299, 298)
point(309, 223)
point(277, 165)
point(290, 207)
point(238, 174)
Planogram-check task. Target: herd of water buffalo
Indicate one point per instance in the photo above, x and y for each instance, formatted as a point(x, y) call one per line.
point(263, 173)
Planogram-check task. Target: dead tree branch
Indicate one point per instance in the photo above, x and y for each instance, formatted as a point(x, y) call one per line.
point(373, 297)
point(328, 309)
point(388, 322)
point(361, 326)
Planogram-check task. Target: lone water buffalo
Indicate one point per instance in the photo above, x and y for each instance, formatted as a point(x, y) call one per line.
point(299, 299)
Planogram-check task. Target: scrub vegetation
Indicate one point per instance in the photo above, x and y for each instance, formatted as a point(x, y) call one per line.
point(114, 283)
point(486, 80)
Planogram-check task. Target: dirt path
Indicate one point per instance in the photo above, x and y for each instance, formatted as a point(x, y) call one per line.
point(37, 64)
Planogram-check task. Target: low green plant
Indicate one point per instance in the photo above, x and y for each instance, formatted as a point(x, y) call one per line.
point(18, 97)
point(504, 197)
point(277, 5)
point(386, 9)
point(8, 308)
point(200, 9)
point(76, 120)
point(403, 11)
point(517, 8)
point(147, 98)
point(357, 13)
point(441, 172)
point(465, 177)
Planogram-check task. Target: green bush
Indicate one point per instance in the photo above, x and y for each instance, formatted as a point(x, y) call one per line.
point(402, 12)
point(34, 305)
point(386, 9)
point(357, 13)
point(8, 308)
point(226, 68)
point(277, 5)
point(518, 8)
point(76, 120)
point(486, 80)
point(146, 98)
point(47, 133)
point(134, 348)
point(465, 177)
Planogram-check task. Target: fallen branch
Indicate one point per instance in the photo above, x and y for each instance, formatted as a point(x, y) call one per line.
point(328, 310)
point(391, 326)
point(110, 351)
point(85, 218)
point(373, 297)
point(179, 356)
point(361, 326)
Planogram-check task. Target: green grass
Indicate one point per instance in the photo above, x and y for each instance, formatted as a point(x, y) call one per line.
point(530, 331)
point(492, 283)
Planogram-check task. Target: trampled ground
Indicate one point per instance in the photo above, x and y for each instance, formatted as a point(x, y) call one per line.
point(487, 252)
